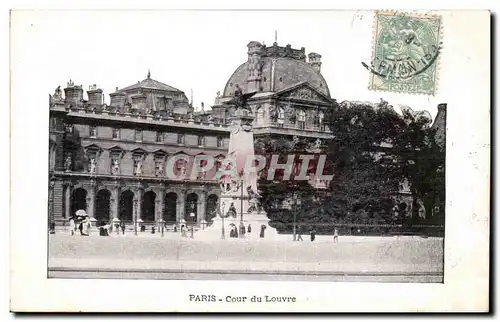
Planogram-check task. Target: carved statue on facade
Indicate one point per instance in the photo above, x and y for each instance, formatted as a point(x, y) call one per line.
point(67, 163)
point(138, 168)
point(159, 169)
point(57, 94)
point(92, 165)
point(115, 168)
point(318, 143)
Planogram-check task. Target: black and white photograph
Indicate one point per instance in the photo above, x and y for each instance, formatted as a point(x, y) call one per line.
point(297, 149)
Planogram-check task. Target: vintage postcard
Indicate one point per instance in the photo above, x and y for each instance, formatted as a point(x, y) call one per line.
point(193, 161)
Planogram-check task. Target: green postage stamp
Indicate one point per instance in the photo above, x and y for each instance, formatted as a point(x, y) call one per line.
point(405, 53)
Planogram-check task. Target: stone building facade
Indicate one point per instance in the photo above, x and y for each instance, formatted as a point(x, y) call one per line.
point(111, 160)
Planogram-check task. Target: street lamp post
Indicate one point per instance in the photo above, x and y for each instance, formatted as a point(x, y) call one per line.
point(241, 201)
point(135, 217)
point(223, 234)
point(191, 214)
point(296, 202)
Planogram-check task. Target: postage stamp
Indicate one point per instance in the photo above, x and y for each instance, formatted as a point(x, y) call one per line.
point(261, 177)
point(405, 54)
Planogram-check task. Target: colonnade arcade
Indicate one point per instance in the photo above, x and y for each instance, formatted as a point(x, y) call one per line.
point(140, 201)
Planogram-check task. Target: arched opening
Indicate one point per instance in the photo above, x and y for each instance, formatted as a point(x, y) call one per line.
point(191, 211)
point(102, 207)
point(211, 207)
point(78, 200)
point(170, 208)
point(126, 210)
point(148, 206)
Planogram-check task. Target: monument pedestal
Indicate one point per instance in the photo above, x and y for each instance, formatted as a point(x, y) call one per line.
point(239, 197)
point(254, 220)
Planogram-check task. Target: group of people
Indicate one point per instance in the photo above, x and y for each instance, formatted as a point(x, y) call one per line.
point(80, 221)
point(184, 231)
point(234, 232)
point(312, 234)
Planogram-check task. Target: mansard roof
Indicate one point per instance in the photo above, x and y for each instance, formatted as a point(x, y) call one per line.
point(149, 83)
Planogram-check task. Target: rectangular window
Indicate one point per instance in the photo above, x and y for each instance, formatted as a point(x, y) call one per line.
point(159, 137)
point(220, 142)
point(160, 103)
point(116, 134)
point(180, 138)
point(93, 131)
point(138, 135)
point(201, 140)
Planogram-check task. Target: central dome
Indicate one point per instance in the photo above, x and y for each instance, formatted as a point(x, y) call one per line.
point(279, 68)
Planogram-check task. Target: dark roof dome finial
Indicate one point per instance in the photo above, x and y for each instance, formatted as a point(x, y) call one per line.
point(149, 73)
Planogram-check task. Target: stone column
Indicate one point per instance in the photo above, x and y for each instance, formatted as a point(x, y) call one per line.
point(51, 206)
point(161, 203)
point(91, 200)
point(181, 201)
point(202, 209)
point(67, 203)
point(115, 201)
point(140, 191)
point(157, 210)
point(202, 206)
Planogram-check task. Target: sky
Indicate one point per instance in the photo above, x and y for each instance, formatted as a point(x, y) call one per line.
point(192, 50)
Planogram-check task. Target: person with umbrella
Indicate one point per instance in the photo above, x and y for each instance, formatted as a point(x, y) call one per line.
point(80, 216)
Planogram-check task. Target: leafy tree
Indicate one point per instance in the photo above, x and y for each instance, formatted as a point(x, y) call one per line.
point(373, 151)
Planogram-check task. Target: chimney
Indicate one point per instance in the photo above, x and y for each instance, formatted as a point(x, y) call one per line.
point(95, 95)
point(73, 93)
point(254, 66)
point(117, 99)
point(439, 125)
point(315, 61)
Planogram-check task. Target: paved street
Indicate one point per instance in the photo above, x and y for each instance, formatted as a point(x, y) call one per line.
point(147, 256)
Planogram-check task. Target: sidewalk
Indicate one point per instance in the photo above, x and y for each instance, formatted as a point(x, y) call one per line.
point(222, 267)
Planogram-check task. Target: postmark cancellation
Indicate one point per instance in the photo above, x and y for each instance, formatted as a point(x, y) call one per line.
point(406, 47)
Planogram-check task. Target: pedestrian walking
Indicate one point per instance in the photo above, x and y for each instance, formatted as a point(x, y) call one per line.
point(72, 225)
point(249, 229)
point(313, 235)
point(192, 232)
point(336, 235)
point(242, 230)
point(262, 231)
point(88, 226)
point(122, 226)
point(300, 235)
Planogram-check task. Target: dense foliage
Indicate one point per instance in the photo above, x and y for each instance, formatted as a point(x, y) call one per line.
point(373, 152)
